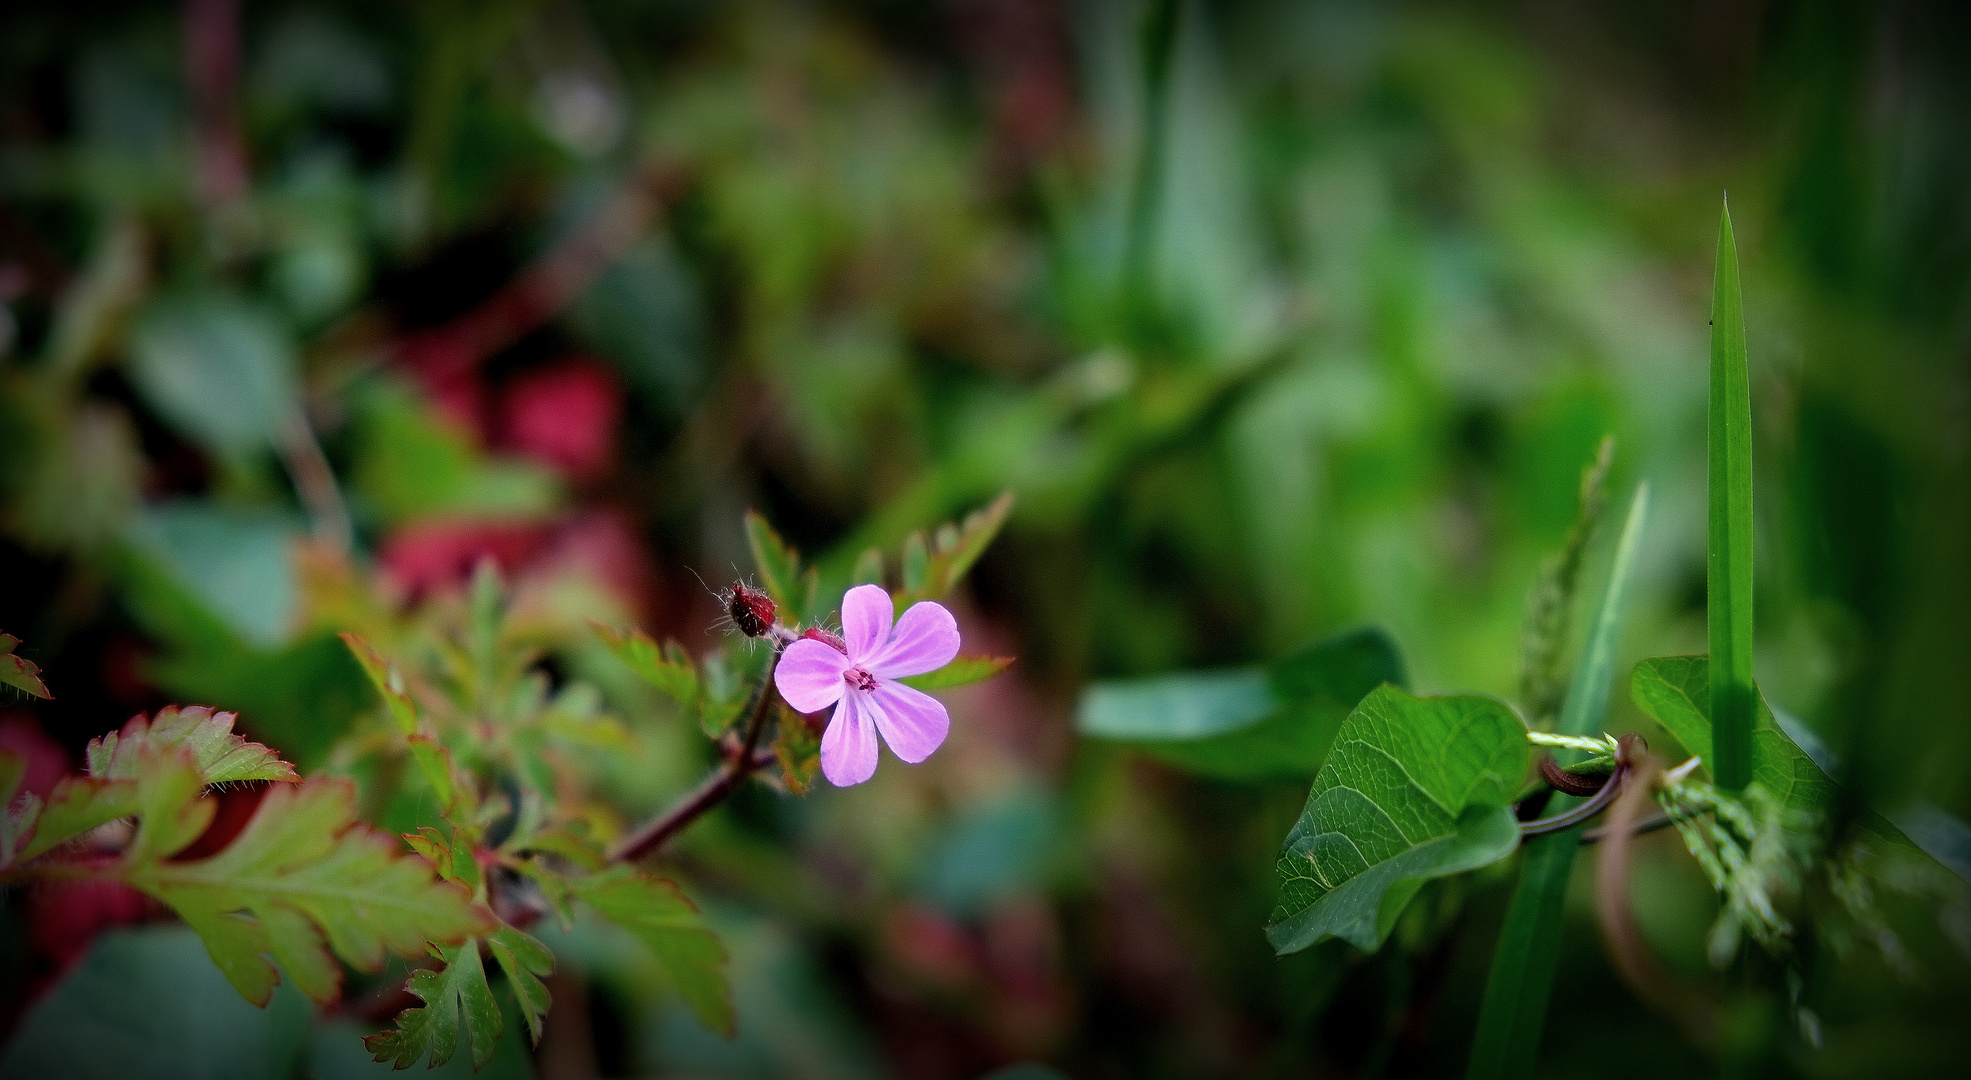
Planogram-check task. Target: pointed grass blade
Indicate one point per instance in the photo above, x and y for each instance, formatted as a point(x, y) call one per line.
point(1522, 977)
point(1728, 559)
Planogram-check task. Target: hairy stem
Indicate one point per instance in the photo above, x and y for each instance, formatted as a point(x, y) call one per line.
point(726, 779)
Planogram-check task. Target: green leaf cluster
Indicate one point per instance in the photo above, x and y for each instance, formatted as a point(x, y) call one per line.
point(301, 885)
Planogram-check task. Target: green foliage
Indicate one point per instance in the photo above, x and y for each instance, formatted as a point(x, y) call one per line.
point(962, 671)
point(302, 875)
point(1550, 606)
point(389, 682)
point(457, 1001)
point(1728, 558)
point(1248, 723)
point(779, 566)
point(220, 756)
point(18, 671)
point(930, 570)
point(1675, 691)
point(1517, 990)
point(524, 961)
point(667, 923)
point(1415, 788)
point(301, 879)
point(669, 669)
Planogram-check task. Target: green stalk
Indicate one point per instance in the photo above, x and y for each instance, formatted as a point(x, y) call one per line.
point(1728, 560)
point(1522, 977)
point(1159, 47)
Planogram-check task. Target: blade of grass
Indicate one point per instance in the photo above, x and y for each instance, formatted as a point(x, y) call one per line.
point(1522, 977)
point(1728, 559)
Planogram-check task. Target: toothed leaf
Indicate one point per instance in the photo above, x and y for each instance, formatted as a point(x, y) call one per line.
point(455, 993)
point(220, 756)
point(660, 916)
point(930, 575)
point(304, 878)
point(669, 669)
point(523, 959)
point(18, 671)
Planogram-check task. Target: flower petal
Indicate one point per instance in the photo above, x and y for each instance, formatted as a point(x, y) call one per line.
point(810, 675)
point(866, 614)
point(913, 722)
point(848, 747)
point(925, 639)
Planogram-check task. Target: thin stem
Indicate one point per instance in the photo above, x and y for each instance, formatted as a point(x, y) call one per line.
point(654, 834)
point(1627, 750)
point(1631, 954)
point(314, 482)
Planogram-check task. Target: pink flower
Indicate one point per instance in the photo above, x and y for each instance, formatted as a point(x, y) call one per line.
point(862, 685)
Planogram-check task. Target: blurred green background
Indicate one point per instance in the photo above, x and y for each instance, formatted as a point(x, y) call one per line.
point(1306, 321)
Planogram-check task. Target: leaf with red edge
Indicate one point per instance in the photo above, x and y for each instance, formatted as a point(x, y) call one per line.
point(221, 756)
point(302, 880)
point(454, 996)
point(20, 672)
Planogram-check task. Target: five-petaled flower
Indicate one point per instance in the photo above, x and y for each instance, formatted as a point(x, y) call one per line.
point(863, 684)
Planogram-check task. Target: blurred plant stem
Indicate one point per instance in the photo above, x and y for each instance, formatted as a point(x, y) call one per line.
point(1627, 949)
point(1139, 265)
point(212, 60)
point(315, 484)
point(739, 764)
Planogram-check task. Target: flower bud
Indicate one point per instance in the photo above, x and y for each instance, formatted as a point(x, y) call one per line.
point(750, 609)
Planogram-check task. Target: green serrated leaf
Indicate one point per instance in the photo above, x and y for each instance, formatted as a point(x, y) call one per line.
point(1415, 788)
point(387, 681)
point(957, 548)
point(220, 756)
point(77, 805)
point(458, 992)
point(780, 570)
point(1248, 723)
point(1517, 989)
point(1728, 559)
point(301, 872)
point(18, 671)
point(962, 671)
point(523, 959)
point(669, 669)
point(659, 915)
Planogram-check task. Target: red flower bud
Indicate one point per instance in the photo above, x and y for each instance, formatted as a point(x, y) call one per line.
point(751, 610)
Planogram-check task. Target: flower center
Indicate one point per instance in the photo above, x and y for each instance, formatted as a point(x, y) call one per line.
point(859, 678)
